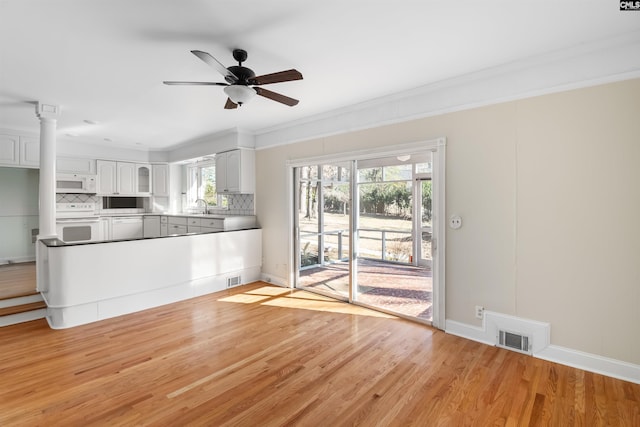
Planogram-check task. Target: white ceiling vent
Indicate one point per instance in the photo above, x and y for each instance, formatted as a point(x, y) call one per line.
point(514, 341)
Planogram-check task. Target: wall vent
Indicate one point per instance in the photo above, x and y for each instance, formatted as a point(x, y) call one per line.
point(233, 281)
point(514, 341)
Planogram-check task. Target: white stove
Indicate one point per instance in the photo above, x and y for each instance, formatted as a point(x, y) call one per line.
point(77, 222)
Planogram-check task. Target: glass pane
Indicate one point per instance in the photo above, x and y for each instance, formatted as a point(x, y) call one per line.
point(370, 175)
point(208, 186)
point(388, 274)
point(397, 172)
point(308, 172)
point(424, 167)
point(323, 222)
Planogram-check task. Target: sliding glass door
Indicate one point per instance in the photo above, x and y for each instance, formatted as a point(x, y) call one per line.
point(322, 216)
point(365, 231)
point(391, 275)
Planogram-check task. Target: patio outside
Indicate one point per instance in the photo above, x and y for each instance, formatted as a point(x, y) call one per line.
point(386, 278)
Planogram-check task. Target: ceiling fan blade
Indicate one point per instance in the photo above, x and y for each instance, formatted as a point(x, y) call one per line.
point(279, 77)
point(276, 96)
point(206, 57)
point(195, 83)
point(230, 105)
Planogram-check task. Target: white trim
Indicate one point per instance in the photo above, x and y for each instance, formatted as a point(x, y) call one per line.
point(438, 235)
point(470, 332)
point(274, 280)
point(589, 64)
point(18, 260)
point(485, 334)
point(592, 363)
point(371, 153)
point(27, 316)
point(28, 299)
point(438, 147)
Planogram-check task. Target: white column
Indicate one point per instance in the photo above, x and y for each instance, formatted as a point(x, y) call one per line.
point(48, 115)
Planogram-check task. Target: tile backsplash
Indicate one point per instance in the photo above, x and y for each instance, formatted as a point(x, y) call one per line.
point(79, 198)
point(239, 204)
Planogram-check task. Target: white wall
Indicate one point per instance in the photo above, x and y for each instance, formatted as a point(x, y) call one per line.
point(548, 190)
point(18, 213)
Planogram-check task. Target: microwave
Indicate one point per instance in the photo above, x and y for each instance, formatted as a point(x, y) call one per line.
point(75, 183)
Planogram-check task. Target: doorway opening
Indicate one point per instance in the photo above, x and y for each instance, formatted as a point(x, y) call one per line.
point(366, 232)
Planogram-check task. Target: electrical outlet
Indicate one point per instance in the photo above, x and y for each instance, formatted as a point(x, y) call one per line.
point(479, 311)
point(455, 222)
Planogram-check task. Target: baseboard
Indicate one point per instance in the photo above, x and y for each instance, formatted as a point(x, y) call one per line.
point(17, 260)
point(274, 280)
point(592, 363)
point(542, 348)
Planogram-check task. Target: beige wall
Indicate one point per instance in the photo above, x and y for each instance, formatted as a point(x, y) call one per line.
point(548, 189)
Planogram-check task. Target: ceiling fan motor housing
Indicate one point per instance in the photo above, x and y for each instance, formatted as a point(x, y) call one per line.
point(243, 74)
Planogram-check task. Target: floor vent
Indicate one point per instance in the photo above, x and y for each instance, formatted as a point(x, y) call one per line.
point(233, 281)
point(514, 341)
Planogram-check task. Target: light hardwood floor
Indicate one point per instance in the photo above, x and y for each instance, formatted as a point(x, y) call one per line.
point(17, 280)
point(261, 355)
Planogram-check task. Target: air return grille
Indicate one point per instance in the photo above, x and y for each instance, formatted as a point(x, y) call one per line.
point(233, 281)
point(514, 341)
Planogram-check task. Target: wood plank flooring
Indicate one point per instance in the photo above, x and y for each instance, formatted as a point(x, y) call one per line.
point(260, 355)
point(17, 280)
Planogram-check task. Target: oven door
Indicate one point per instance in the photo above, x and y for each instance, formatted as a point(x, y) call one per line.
point(78, 230)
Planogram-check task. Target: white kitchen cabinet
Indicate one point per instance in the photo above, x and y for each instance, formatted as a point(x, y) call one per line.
point(19, 151)
point(151, 226)
point(212, 224)
point(9, 150)
point(160, 180)
point(127, 227)
point(177, 225)
point(193, 225)
point(75, 165)
point(123, 178)
point(164, 226)
point(235, 171)
point(143, 179)
point(105, 228)
point(29, 151)
point(126, 178)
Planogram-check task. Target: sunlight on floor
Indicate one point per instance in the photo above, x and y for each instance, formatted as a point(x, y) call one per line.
point(287, 298)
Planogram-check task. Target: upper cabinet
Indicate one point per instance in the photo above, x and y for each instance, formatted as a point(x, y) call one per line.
point(235, 171)
point(106, 177)
point(29, 151)
point(143, 179)
point(19, 151)
point(123, 178)
point(160, 180)
point(73, 165)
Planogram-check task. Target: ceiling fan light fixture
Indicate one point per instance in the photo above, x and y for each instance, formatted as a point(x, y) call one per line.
point(239, 93)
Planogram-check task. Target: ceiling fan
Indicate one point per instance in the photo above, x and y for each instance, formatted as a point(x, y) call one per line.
point(239, 78)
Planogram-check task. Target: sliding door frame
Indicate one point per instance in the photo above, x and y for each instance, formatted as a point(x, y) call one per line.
point(437, 147)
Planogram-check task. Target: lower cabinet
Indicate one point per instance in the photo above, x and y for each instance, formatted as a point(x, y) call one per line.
point(105, 228)
point(127, 227)
point(176, 225)
point(164, 230)
point(151, 226)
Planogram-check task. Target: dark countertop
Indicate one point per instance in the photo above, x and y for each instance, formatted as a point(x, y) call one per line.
point(56, 243)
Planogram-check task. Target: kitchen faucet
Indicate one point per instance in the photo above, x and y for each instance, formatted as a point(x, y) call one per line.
point(204, 210)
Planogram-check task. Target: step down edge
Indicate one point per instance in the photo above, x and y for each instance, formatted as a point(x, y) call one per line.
point(26, 316)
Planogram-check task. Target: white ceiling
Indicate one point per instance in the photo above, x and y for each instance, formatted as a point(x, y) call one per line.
point(105, 60)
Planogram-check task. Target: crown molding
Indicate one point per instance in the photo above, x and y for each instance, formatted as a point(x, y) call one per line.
point(585, 65)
